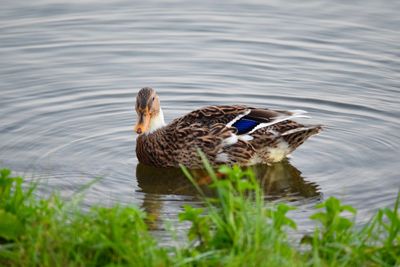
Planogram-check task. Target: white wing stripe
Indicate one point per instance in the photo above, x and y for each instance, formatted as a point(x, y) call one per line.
point(298, 130)
point(296, 114)
point(229, 124)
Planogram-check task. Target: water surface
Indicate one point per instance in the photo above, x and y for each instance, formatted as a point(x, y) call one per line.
point(70, 70)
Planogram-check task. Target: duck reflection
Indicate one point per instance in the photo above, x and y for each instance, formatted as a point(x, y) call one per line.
point(279, 180)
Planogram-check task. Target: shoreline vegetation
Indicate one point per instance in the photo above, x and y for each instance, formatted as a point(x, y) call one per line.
point(236, 227)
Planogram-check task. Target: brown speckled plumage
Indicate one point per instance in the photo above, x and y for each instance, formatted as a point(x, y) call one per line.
point(210, 130)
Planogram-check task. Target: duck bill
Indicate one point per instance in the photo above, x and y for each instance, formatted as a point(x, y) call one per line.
point(143, 124)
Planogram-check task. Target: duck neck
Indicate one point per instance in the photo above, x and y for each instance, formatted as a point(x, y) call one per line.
point(157, 122)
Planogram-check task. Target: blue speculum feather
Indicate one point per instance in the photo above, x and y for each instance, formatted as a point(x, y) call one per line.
point(245, 125)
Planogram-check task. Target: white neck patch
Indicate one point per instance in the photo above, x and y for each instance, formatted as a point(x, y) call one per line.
point(157, 122)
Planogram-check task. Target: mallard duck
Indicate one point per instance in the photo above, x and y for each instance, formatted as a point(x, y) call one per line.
point(225, 134)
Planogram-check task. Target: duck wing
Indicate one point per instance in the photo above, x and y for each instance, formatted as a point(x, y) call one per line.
point(244, 119)
point(257, 118)
point(207, 117)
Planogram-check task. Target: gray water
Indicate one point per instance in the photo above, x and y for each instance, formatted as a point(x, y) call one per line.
point(70, 71)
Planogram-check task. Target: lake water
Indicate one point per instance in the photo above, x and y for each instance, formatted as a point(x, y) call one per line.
point(70, 71)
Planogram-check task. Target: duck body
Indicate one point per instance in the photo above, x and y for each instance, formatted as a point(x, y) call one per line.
point(225, 134)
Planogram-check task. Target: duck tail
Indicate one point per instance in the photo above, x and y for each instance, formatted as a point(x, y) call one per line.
point(296, 137)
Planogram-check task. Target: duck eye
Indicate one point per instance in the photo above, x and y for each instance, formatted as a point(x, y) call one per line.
point(154, 98)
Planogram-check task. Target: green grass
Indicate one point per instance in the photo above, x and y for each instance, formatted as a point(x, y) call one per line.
point(234, 228)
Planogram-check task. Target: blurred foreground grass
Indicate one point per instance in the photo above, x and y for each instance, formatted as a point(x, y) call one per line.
point(235, 228)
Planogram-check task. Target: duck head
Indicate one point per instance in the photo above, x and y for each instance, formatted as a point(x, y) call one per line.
point(148, 109)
